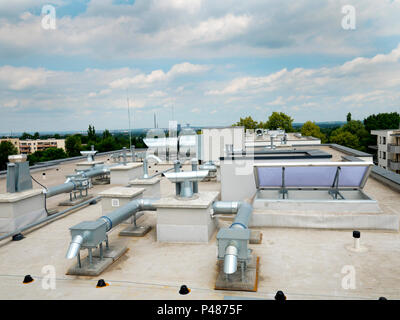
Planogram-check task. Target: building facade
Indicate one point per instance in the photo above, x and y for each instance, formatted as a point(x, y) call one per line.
point(31, 146)
point(388, 153)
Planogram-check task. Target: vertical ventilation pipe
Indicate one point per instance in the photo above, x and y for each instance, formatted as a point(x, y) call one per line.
point(243, 212)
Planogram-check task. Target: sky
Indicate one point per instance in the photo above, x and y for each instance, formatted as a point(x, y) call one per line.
point(200, 62)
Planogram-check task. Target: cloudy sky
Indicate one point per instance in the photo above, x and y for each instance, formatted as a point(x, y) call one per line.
point(196, 61)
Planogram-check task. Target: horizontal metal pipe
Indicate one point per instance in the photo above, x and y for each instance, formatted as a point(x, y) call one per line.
point(123, 213)
point(186, 175)
point(242, 209)
point(70, 185)
point(62, 188)
point(49, 218)
point(228, 207)
point(209, 167)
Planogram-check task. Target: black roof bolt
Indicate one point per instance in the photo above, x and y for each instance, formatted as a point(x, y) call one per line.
point(280, 296)
point(184, 290)
point(28, 279)
point(101, 283)
point(44, 173)
point(356, 234)
point(18, 237)
point(382, 298)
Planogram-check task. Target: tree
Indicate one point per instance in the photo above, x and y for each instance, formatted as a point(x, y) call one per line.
point(382, 121)
point(345, 138)
point(107, 144)
point(36, 136)
point(247, 123)
point(73, 145)
point(357, 128)
point(106, 134)
point(46, 155)
point(91, 133)
point(6, 149)
point(349, 117)
point(279, 120)
point(26, 136)
point(309, 128)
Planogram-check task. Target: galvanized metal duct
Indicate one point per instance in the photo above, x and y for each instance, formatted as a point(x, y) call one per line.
point(185, 180)
point(243, 212)
point(70, 185)
point(123, 213)
point(109, 221)
point(62, 188)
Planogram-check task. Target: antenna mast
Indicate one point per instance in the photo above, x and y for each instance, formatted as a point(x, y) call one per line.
point(129, 122)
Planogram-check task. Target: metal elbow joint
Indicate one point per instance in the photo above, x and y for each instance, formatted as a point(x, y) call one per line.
point(74, 246)
point(230, 259)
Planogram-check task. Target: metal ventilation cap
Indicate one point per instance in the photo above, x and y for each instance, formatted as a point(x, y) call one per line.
point(89, 154)
point(17, 158)
point(186, 176)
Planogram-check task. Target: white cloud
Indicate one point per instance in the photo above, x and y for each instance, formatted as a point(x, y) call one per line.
point(158, 75)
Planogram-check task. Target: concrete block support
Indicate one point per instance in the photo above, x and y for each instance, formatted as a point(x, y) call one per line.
point(20, 209)
point(122, 174)
point(186, 220)
point(116, 197)
point(88, 165)
point(151, 186)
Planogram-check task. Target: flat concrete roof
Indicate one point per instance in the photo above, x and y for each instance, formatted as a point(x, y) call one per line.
point(303, 263)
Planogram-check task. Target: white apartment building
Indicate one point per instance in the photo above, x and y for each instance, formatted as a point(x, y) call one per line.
point(388, 153)
point(31, 146)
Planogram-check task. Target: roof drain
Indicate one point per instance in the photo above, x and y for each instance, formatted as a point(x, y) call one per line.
point(233, 241)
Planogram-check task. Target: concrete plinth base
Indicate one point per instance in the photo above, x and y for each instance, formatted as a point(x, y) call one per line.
point(255, 237)
point(122, 174)
point(88, 165)
point(151, 186)
point(117, 197)
point(318, 220)
point(114, 251)
point(94, 269)
point(74, 202)
point(98, 265)
point(132, 231)
point(20, 209)
point(235, 282)
point(186, 220)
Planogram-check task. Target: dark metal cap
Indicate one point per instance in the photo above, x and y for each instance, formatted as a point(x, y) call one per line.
point(18, 237)
point(184, 290)
point(280, 296)
point(356, 234)
point(28, 279)
point(101, 283)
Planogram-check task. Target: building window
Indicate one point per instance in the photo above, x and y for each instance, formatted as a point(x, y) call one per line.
point(384, 155)
point(384, 140)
